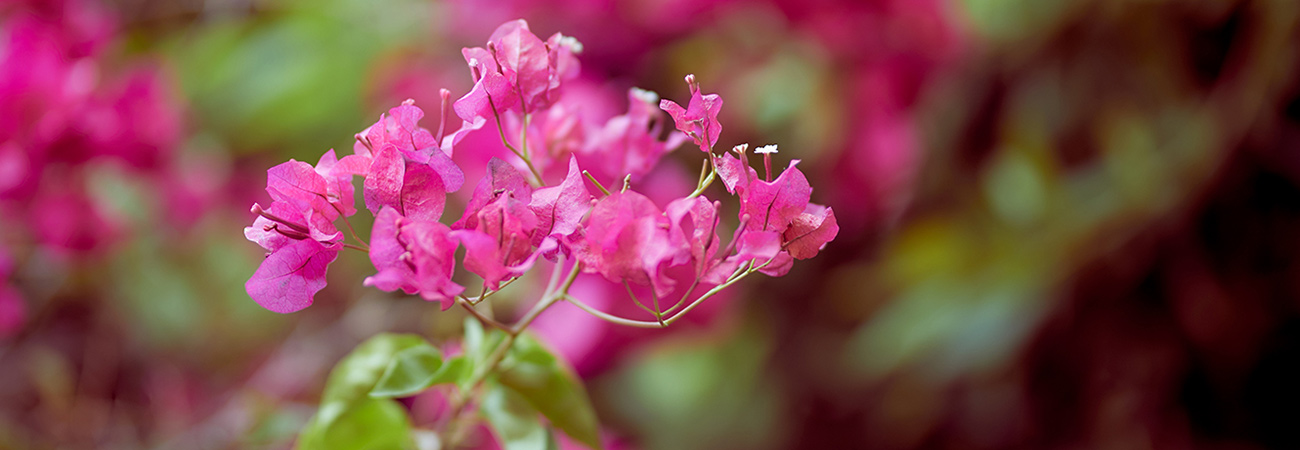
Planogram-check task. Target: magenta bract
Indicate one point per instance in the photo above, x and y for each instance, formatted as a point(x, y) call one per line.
point(513, 216)
point(699, 119)
point(289, 277)
point(415, 256)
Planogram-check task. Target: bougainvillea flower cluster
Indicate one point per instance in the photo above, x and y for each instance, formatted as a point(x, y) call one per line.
point(515, 214)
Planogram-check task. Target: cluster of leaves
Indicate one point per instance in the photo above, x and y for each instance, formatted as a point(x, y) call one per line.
point(359, 410)
point(509, 222)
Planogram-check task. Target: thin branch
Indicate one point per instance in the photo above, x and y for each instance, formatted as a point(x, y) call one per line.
point(742, 273)
point(638, 300)
point(658, 315)
point(488, 292)
point(502, 131)
point(512, 333)
point(685, 295)
point(465, 303)
point(555, 275)
point(610, 317)
point(349, 224)
point(546, 302)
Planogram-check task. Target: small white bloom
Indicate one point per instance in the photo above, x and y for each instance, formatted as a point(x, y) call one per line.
point(572, 43)
point(646, 96)
point(766, 149)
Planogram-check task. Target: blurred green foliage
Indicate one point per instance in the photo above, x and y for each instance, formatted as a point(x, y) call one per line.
point(289, 78)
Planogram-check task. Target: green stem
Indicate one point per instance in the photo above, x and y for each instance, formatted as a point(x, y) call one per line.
point(350, 229)
point(465, 303)
point(705, 181)
point(499, 353)
point(742, 272)
point(638, 300)
point(522, 155)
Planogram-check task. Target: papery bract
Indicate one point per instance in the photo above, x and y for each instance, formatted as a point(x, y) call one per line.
point(298, 231)
point(491, 95)
point(338, 180)
point(299, 184)
point(400, 128)
point(560, 208)
point(629, 144)
point(562, 58)
point(734, 171)
point(701, 237)
point(407, 165)
point(699, 119)
point(423, 195)
point(414, 188)
point(501, 178)
point(415, 256)
point(627, 239)
point(517, 69)
point(290, 276)
point(810, 231)
point(771, 206)
point(777, 218)
point(495, 260)
point(523, 59)
point(498, 225)
point(301, 199)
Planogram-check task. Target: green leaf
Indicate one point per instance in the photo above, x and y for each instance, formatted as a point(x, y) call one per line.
point(348, 418)
point(411, 371)
point(368, 424)
point(478, 345)
point(515, 422)
point(455, 370)
point(473, 338)
point(551, 386)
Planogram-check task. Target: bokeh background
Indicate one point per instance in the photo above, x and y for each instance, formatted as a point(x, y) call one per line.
point(1065, 224)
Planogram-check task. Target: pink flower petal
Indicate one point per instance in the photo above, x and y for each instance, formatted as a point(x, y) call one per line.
point(423, 196)
point(560, 208)
point(810, 231)
point(290, 277)
point(414, 256)
point(501, 177)
point(383, 185)
point(771, 206)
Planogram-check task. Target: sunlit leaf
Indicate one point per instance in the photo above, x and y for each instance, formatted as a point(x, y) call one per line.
point(454, 370)
point(516, 424)
point(478, 345)
point(411, 371)
point(473, 343)
point(368, 424)
point(348, 418)
point(552, 387)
